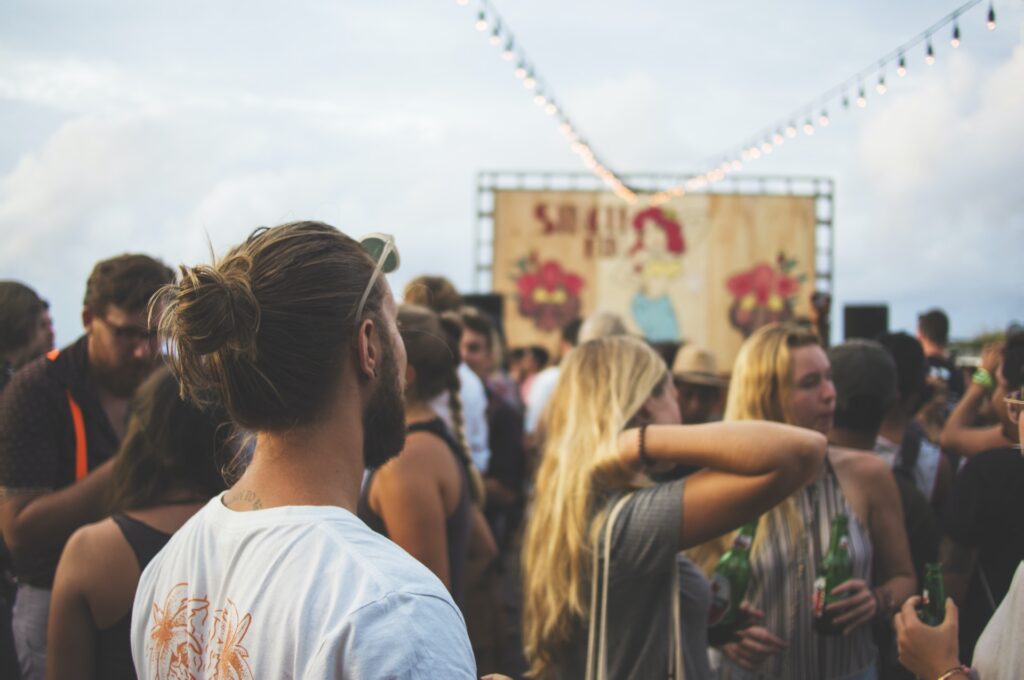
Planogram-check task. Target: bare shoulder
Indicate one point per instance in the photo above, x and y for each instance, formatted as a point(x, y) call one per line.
point(93, 551)
point(424, 456)
point(863, 466)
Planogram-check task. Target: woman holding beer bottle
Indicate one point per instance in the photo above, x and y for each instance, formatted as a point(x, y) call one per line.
point(600, 551)
point(811, 561)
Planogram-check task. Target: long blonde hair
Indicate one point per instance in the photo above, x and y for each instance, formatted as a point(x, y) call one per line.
point(761, 388)
point(601, 388)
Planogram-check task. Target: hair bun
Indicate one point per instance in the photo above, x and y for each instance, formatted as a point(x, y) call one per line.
point(217, 309)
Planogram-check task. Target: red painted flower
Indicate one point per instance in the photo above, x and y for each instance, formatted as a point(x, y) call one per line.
point(762, 295)
point(763, 282)
point(548, 294)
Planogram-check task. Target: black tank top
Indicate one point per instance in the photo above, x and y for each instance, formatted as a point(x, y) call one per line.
point(457, 526)
point(113, 644)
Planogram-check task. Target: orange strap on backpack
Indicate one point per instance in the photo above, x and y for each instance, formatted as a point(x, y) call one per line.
point(78, 422)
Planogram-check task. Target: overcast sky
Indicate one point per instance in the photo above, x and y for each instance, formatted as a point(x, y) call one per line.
point(146, 126)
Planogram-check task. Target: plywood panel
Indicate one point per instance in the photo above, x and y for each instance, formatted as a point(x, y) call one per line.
point(706, 269)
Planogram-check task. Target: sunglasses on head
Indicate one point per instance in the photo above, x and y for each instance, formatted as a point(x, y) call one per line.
point(381, 248)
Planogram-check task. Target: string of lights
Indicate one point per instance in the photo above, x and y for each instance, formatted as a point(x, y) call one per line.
point(815, 113)
point(490, 22)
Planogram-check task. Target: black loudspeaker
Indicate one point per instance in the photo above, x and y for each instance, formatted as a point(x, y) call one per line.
point(865, 321)
point(490, 304)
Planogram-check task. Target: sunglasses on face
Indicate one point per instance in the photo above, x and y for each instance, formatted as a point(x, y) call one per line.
point(380, 247)
point(1014, 405)
point(129, 333)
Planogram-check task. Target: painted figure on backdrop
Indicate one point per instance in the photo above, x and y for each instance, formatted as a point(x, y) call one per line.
point(656, 263)
point(546, 293)
point(764, 294)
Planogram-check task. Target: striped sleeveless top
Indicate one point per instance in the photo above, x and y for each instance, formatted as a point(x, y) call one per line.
point(781, 584)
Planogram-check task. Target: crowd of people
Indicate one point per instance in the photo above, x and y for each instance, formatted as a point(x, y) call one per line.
point(272, 466)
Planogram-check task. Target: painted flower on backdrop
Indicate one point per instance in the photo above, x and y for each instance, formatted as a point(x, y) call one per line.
point(547, 294)
point(764, 294)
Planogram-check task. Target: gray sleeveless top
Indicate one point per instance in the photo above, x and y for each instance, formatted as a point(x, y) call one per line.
point(458, 525)
point(781, 585)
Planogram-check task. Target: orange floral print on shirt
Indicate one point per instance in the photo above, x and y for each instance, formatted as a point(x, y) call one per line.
point(181, 648)
point(175, 641)
point(228, 658)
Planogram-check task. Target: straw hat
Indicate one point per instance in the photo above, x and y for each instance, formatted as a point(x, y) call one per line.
point(698, 366)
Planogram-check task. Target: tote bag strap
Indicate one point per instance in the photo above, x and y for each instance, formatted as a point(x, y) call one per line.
point(675, 632)
point(597, 666)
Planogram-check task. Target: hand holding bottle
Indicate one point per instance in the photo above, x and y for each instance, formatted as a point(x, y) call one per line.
point(926, 651)
point(857, 606)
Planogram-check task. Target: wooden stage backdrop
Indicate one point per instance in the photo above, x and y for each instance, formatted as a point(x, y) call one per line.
point(706, 269)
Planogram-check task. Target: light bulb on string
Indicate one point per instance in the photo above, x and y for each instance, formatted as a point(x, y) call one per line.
point(901, 69)
point(808, 127)
point(745, 154)
point(791, 130)
point(495, 38)
point(990, 21)
point(777, 138)
point(766, 147)
point(539, 99)
point(481, 22)
point(736, 165)
point(520, 71)
point(862, 101)
point(529, 82)
point(461, 3)
point(881, 88)
point(929, 55)
point(823, 119)
point(509, 53)
point(565, 128)
point(551, 109)
point(955, 40)
point(755, 152)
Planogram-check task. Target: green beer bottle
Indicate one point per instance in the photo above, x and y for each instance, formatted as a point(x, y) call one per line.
point(835, 568)
point(933, 596)
point(729, 583)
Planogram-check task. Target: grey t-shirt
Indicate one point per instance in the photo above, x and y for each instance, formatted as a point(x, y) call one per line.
point(645, 545)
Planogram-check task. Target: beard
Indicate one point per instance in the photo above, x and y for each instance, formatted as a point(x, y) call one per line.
point(384, 417)
point(124, 378)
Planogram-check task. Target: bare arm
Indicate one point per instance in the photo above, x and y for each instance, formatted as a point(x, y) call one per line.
point(751, 467)
point(37, 523)
point(407, 495)
point(959, 436)
point(71, 633)
point(888, 536)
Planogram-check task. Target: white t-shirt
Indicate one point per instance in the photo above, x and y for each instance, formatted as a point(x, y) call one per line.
point(999, 654)
point(292, 592)
point(474, 415)
point(540, 394)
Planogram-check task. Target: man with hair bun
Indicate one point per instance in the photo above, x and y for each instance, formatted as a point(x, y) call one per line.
point(294, 332)
point(61, 420)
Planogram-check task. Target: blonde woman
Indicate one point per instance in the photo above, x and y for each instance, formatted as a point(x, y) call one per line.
point(783, 374)
point(613, 417)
